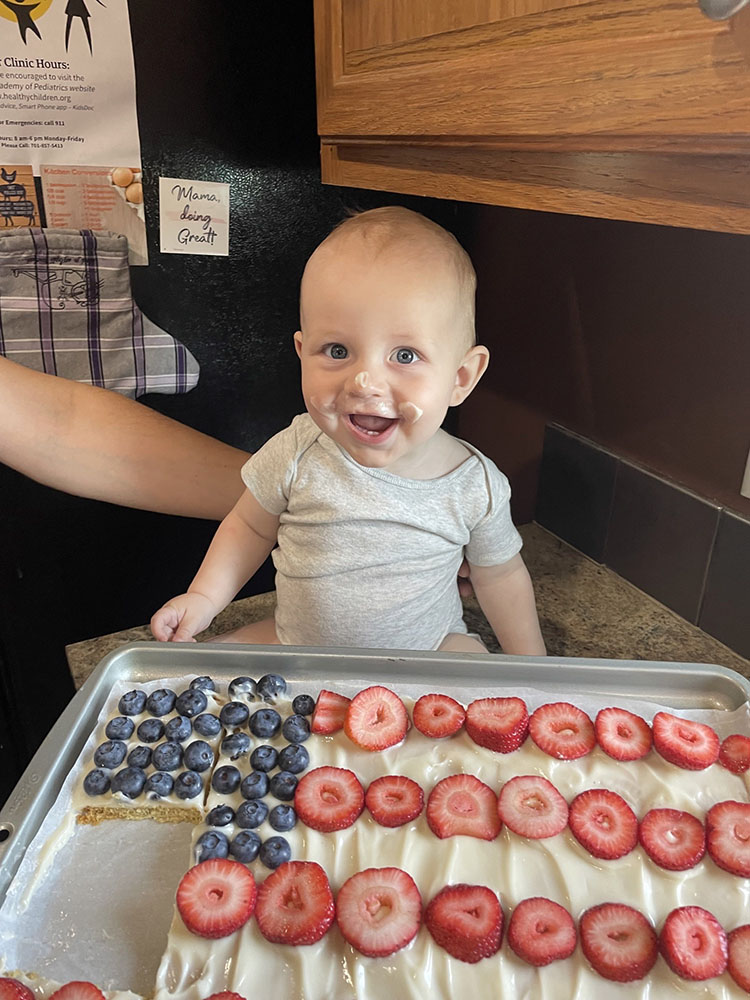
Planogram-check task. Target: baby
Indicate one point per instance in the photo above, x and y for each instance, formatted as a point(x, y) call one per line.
point(368, 504)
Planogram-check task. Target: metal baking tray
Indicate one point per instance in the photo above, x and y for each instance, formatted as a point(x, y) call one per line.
point(679, 685)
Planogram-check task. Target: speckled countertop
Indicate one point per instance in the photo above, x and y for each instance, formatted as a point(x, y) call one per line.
point(585, 610)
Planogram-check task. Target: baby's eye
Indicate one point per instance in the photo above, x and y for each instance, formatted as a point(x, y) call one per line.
point(336, 351)
point(404, 356)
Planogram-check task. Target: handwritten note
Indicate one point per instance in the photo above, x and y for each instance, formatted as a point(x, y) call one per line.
point(193, 216)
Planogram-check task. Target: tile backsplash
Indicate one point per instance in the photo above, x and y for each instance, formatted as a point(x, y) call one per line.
point(687, 552)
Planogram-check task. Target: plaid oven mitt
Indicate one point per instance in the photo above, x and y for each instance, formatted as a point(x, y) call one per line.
point(66, 308)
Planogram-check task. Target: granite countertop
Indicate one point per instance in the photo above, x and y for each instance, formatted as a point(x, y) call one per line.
point(585, 610)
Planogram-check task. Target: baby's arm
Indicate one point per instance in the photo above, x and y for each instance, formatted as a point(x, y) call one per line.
point(506, 596)
point(243, 540)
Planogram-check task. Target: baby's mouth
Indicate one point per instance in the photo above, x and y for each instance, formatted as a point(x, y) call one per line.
point(370, 423)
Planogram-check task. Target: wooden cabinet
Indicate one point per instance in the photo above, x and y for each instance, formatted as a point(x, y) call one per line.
point(630, 109)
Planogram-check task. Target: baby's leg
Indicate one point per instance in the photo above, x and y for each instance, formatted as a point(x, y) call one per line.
point(460, 642)
point(262, 633)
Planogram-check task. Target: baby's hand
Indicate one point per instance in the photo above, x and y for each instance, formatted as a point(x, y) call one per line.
point(182, 618)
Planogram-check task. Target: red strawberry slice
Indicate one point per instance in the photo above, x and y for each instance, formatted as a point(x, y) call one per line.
point(532, 807)
point(215, 898)
point(329, 798)
point(603, 823)
point(329, 714)
point(394, 800)
point(541, 931)
point(728, 836)
point(673, 839)
point(78, 990)
point(438, 715)
point(618, 941)
point(13, 989)
point(693, 943)
point(376, 719)
point(738, 942)
point(500, 724)
point(226, 995)
point(562, 730)
point(379, 911)
point(462, 804)
point(622, 735)
point(734, 753)
point(466, 921)
point(691, 745)
point(295, 904)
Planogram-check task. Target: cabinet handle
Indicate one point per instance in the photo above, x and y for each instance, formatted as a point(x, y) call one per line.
point(720, 10)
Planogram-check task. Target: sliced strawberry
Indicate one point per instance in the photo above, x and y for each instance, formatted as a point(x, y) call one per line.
point(379, 911)
point(78, 990)
point(226, 995)
point(329, 714)
point(215, 898)
point(562, 730)
point(603, 823)
point(738, 942)
point(462, 804)
point(541, 931)
point(673, 839)
point(376, 719)
point(532, 807)
point(692, 745)
point(500, 724)
point(13, 989)
point(728, 836)
point(394, 800)
point(618, 941)
point(693, 943)
point(438, 715)
point(329, 798)
point(622, 735)
point(734, 753)
point(295, 904)
point(466, 921)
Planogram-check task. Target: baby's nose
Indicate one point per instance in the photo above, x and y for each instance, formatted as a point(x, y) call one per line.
point(365, 383)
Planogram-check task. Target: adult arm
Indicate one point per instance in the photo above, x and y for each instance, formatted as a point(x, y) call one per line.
point(506, 596)
point(96, 443)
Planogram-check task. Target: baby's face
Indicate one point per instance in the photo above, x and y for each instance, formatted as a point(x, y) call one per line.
point(380, 348)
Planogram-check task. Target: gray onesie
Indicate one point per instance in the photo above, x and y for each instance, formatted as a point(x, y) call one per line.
point(366, 558)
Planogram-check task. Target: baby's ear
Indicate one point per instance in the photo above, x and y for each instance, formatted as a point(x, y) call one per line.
point(472, 367)
point(298, 342)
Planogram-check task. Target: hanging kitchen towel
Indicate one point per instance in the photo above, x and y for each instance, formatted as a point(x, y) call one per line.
point(66, 308)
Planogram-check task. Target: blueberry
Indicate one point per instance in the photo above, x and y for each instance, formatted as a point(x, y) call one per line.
point(132, 703)
point(245, 846)
point(254, 786)
point(140, 757)
point(283, 785)
point(282, 818)
point(150, 730)
point(265, 722)
point(275, 851)
point(244, 686)
point(119, 728)
point(303, 704)
point(198, 756)
point(159, 785)
point(178, 729)
point(294, 758)
point(234, 714)
point(203, 683)
point(220, 816)
point(296, 729)
point(188, 784)
point(167, 756)
point(110, 754)
point(264, 758)
point(211, 844)
point(161, 702)
point(96, 782)
point(235, 745)
point(129, 782)
point(191, 702)
point(270, 686)
point(207, 724)
point(251, 813)
point(225, 779)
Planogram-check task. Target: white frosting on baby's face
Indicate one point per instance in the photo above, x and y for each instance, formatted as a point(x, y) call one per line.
point(410, 412)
